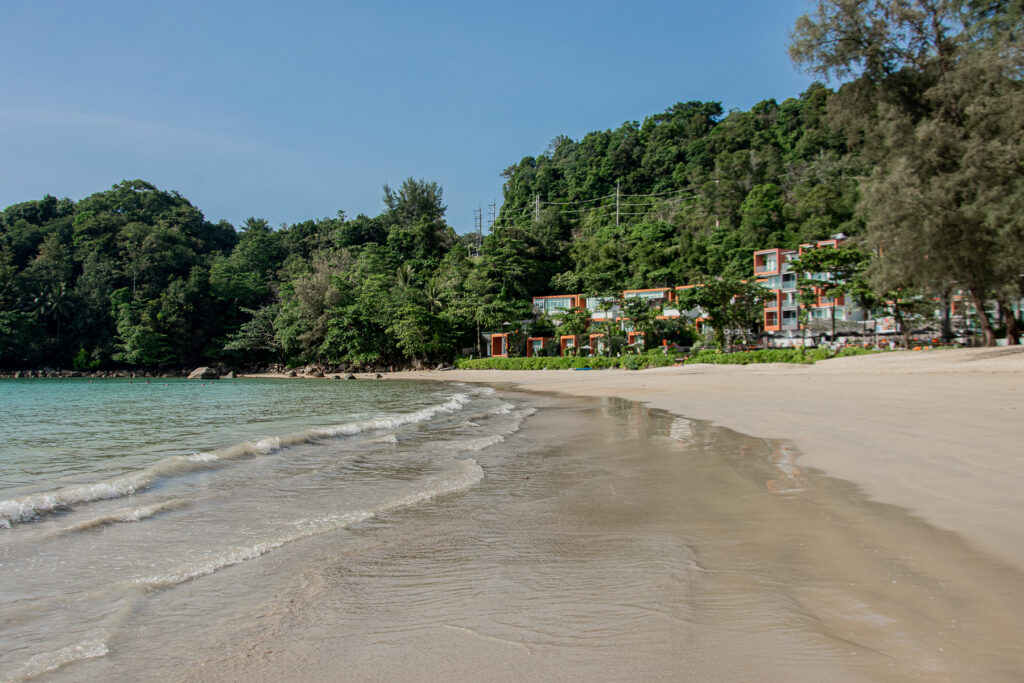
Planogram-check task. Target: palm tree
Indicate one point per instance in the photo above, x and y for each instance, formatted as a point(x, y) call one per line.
point(53, 302)
point(432, 296)
point(404, 274)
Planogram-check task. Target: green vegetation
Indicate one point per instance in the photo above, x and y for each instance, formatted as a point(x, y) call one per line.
point(651, 359)
point(656, 359)
point(917, 157)
point(798, 355)
point(933, 106)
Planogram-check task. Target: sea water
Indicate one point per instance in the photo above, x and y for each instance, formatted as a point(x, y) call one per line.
point(114, 490)
point(382, 530)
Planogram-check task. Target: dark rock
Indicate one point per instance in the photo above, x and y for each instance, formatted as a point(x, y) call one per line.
point(350, 376)
point(230, 375)
point(380, 376)
point(204, 373)
point(292, 373)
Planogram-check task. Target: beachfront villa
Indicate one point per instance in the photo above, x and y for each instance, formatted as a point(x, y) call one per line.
point(781, 324)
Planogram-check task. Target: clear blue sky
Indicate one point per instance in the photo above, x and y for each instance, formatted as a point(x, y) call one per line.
point(296, 110)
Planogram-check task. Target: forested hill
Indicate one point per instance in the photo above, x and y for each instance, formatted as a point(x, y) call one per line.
point(687, 193)
point(136, 276)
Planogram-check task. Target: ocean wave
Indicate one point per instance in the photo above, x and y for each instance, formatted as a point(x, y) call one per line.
point(33, 506)
point(483, 442)
point(47, 662)
point(132, 514)
point(467, 473)
point(475, 444)
point(453, 404)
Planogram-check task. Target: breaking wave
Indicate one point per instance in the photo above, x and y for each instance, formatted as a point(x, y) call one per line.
point(135, 514)
point(31, 507)
point(47, 662)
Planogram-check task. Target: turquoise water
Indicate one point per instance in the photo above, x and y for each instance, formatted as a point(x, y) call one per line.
point(54, 430)
point(113, 489)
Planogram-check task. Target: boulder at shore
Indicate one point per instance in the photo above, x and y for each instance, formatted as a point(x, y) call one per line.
point(204, 373)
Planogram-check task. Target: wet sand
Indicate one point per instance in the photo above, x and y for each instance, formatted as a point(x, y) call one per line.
point(939, 433)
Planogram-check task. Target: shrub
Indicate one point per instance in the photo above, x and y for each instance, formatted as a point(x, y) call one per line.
point(84, 362)
point(798, 355)
point(655, 358)
point(651, 359)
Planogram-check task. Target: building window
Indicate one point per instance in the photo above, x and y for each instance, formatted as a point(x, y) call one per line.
point(551, 305)
point(646, 295)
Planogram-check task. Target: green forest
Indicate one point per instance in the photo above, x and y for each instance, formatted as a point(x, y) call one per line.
point(917, 155)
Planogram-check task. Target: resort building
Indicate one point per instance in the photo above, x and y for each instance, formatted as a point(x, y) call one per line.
point(535, 346)
point(773, 269)
point(783, 324)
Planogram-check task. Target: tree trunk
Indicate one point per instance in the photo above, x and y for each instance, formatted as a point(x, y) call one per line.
point(1012, 329)
point(947, 323)
point(988, 334)
point(898, 314)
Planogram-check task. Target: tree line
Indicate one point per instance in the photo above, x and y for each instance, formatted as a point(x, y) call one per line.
point(916, 156)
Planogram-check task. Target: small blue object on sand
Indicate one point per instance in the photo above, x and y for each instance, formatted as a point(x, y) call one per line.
point(583, 368)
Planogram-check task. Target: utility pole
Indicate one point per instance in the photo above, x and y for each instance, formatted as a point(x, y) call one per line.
point(478, 221)
point(617, 203)
point(494, 213)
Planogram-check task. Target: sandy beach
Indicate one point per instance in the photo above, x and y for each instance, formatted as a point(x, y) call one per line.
point(937, 432)
point(859, 519)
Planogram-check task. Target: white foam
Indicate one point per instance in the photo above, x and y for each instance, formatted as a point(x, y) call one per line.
point(453, 404)
point(483, 442)
point(476, 444)
point(46, 662)
point(31, 506)
point(203, 457)
point(131, 514)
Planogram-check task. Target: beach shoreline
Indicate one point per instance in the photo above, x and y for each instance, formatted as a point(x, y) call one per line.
point(933, 432)
point(770, 520)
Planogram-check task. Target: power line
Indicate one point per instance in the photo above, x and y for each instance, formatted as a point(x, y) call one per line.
point(609, 196)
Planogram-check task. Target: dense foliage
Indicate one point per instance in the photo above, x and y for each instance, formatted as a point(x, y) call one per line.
point(935, 103)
